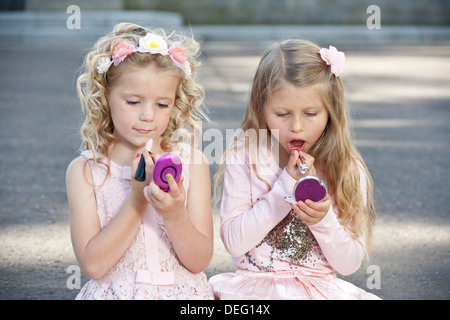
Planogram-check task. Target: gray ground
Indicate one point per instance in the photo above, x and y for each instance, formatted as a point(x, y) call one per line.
point(400, 99)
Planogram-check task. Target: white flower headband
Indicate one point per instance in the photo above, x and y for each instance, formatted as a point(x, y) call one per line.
point(151, 43)
point(333, 58)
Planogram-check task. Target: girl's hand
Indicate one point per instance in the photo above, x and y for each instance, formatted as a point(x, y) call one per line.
point(137, 187)
point(168, 204)
point(312, 212)
point(293, 166)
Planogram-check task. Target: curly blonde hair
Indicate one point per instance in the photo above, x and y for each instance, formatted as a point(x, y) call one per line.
point(92, 87)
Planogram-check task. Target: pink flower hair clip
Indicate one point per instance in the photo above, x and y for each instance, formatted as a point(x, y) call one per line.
point(121, 51)
point(152, 44)
point(178, 56)
point(333, 58)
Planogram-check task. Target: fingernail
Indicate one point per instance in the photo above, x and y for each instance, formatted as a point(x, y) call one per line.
point(168, 176)
point(137, 156)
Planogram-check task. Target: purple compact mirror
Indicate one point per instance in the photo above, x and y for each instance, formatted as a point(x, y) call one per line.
point(168, 163)
point(310, 187)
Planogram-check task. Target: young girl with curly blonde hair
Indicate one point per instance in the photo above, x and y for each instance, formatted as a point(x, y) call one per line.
point(134, 240)
point(289, 250)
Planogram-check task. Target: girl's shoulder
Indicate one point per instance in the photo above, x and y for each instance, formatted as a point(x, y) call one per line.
point(77, 164)
point(237, 152)
point(89, 155)
point(78, 169)
point(86, 167)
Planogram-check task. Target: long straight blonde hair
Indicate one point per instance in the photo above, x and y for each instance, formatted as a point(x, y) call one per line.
point(298, 62)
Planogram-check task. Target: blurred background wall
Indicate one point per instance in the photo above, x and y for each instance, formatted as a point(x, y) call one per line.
point(195, 12)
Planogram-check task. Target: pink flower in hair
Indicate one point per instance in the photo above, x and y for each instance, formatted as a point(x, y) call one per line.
point(178, 56)
point(121, 51)
point(333, 58)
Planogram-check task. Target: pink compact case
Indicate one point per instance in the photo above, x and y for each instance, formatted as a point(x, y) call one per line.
point(308, 187)
point(168, 163)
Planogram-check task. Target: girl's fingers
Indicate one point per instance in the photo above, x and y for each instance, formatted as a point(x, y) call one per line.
point(300, 213)
point(174, 190)
point(319, 206)
point(293, 160)
point(135, 163)
point(149, 164)
point(156, 194)
point(146, 192)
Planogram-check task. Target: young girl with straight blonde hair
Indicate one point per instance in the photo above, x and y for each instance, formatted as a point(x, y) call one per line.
point(133, 239)
point(289, 250)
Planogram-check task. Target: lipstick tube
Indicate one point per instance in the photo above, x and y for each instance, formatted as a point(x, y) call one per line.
point(140, 172)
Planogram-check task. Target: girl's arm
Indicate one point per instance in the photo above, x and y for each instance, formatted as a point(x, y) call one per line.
point(190, 227)
point(98, 250)
point(343, 252)
point(244, 224)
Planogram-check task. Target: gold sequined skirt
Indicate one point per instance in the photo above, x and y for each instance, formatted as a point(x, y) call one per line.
point(248, 285)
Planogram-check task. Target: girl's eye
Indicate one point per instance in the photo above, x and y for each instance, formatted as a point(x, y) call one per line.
point(132, 102)
point(163, 105)
point(282, 114)
point(311, 114)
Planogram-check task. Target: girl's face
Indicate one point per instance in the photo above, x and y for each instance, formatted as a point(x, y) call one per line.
point(141, 104)
point(299, 117)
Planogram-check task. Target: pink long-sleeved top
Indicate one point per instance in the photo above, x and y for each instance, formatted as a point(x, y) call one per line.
point(263, 234)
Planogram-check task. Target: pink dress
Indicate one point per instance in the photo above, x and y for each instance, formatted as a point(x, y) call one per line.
point(150, 268)
point(278, 256)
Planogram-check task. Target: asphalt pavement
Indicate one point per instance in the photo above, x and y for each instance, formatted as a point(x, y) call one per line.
point(400, 101)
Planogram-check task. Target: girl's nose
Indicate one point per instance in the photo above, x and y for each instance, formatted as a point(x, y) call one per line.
point(147, 113)
point(296, 125)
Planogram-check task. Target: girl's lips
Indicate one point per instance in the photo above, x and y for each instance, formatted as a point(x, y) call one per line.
point(143, 131)
point(296, 144)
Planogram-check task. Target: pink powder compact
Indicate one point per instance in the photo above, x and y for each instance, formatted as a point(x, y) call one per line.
point(310, 187)
point(168, 163)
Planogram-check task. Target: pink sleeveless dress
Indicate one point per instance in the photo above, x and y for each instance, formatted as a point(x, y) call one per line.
point(149, 269)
